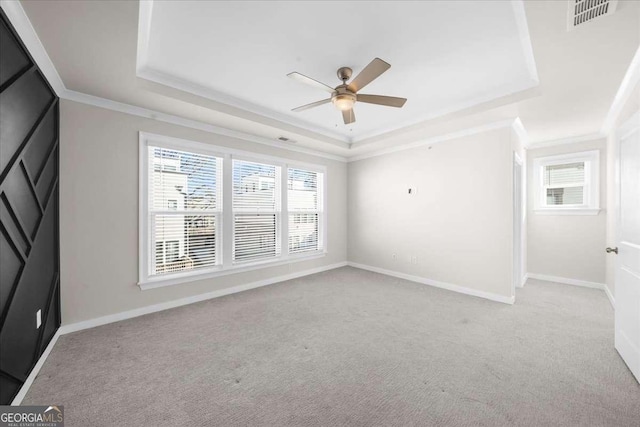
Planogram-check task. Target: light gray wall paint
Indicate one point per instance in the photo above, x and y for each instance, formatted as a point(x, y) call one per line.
point(458, 225)
point(99, 213)
point(568, 246)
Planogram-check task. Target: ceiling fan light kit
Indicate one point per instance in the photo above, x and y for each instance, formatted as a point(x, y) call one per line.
point(344, 96)
point(344, 101)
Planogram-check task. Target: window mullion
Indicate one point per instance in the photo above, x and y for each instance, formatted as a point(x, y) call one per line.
point(151, 253)
point(284, 217)
point(227, 212)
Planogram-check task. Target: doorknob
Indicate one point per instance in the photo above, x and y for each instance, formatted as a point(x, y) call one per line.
point(614, 250)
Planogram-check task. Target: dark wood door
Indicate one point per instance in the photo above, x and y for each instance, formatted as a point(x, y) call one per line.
point(29, 219)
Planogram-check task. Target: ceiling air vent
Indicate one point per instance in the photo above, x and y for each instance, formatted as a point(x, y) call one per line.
point(285, 139)
point(583, 11)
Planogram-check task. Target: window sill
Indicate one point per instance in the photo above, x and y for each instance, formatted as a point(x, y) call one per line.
point(567, 211)
point(159, 282)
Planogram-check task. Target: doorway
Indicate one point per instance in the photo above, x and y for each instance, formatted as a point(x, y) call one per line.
point(518, 210)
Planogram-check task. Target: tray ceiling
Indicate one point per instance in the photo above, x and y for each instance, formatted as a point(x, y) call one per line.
point(444, 56)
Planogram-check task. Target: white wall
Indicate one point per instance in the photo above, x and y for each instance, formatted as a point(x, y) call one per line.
point(99, 213)
point(458, 225)
point(568, 246)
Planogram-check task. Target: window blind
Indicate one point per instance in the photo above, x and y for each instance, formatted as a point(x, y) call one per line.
point(304, 210)
point(184, 209)
point(564, 184)
point(256, 210)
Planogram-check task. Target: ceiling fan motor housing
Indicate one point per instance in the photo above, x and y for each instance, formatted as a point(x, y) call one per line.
point(344, 73)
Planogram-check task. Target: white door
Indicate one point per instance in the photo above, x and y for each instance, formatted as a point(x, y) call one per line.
point(627, 287)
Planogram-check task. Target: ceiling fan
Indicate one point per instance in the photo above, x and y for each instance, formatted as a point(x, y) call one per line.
point(345, 95)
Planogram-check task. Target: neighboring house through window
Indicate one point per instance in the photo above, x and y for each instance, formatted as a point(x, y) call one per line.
point(194, 231)
point(567, 184)
point(304, 209)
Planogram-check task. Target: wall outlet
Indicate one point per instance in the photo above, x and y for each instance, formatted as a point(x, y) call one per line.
point(394, 256)
point(38, 319)
point(414, 260)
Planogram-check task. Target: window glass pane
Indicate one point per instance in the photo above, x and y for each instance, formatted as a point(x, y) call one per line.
point(181, 180)
point(256, 197)
point(254, 186)
point(302, 187)
point(560, 175)
point(565, 196)
point(303, 199)
point(255, 236)
point(303, 232)
point(189, 242)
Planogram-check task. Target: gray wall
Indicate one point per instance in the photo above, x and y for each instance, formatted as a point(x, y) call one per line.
point(99, 213)
point(568, 246)
point(458, 225)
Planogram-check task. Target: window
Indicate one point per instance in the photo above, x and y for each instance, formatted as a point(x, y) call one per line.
point(256, 211)
point(304, 210)
point(181, 198)
point(207, 211)
point(567, 183)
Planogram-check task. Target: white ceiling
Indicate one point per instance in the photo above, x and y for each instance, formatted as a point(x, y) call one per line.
point(445, 56)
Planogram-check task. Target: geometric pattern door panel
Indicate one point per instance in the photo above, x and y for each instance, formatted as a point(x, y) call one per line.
point(29, 212)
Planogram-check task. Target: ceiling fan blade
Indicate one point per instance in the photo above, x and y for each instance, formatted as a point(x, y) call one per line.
point(369, 74)
point(313, 104)
point(348, 116)
point(308, 80)
point(389, 101)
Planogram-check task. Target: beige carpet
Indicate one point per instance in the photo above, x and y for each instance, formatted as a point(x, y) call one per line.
point(350, 347)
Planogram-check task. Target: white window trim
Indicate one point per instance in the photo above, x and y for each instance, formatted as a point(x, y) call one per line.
point(591, 190)
point(224, 243)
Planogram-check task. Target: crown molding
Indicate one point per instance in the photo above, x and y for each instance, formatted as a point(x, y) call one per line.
point(241, 106)
point(567, 140)
point(514, 124)
point(628, 84)
point(133, 110)
point(20, 21)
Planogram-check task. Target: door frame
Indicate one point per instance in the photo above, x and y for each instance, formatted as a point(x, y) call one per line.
point(518, 222)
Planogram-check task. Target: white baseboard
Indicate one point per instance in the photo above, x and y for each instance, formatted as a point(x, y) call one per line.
point(36, 369)
point(612, 300)
point(524, 280)
point(91, 323)
point(567, 281)
point(437, 284)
